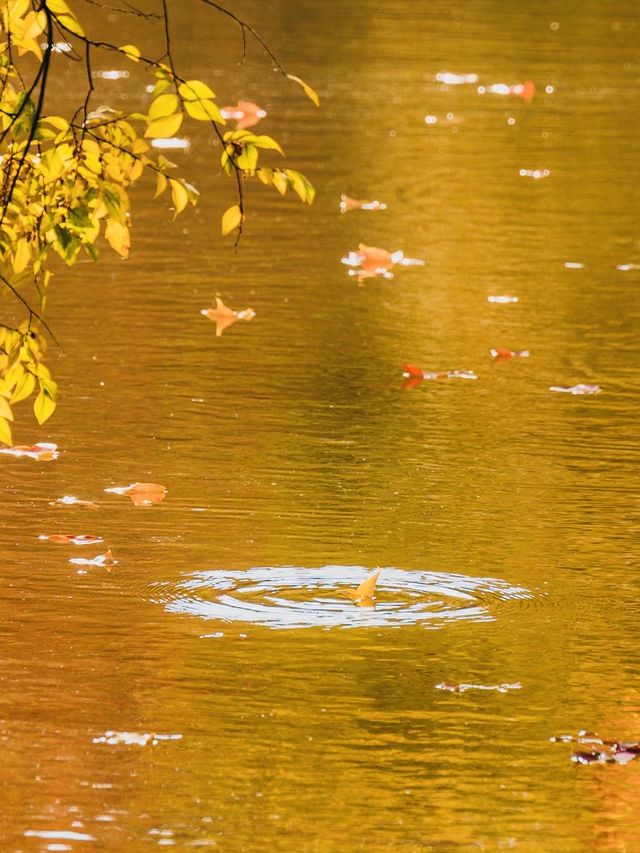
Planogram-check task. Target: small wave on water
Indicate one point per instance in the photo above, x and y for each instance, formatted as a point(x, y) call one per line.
point(296, 597)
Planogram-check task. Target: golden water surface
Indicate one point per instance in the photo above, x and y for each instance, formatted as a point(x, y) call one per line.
point(504, 516)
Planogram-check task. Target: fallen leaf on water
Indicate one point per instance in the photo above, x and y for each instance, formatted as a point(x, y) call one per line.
point(141, 494)
point(71, 539)
point(347, 204)
point(42, 452)
point(612, 752)
point(414, 376)
point(106, 560)
point(133, 738)
point(244, 113)
point(223, 316)
point(363, 595)
point(576, 389)
point(502, 353)
point(69, 500)
point(372, 260)
point(462, 688)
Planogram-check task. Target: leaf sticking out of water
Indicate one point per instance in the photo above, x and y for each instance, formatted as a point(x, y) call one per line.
point(105, 560)
point(363, 595)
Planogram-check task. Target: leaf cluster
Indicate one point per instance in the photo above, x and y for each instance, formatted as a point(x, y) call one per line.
point(65, 181)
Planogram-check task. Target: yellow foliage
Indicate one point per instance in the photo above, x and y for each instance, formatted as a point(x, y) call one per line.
point(65, 175)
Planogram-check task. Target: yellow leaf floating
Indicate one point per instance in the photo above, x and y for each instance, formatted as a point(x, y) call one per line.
point(363, 595)
point(309, 92)
point(231, 219)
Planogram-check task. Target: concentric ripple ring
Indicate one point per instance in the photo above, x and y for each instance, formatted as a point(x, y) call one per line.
point(297, 597)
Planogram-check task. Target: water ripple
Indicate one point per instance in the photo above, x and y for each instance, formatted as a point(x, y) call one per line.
point(296, 597)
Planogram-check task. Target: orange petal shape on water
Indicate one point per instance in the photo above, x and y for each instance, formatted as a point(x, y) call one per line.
point(42, 452)
point(374, 258)
point(363, 595)
point(223, 316)
point(73, 539)
point(244, 113)
point(141, 494)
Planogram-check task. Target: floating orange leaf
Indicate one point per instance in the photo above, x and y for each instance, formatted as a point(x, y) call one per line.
point(72, 539)
point(363, 595)
point(500, 353)
point(372, 260)
point(223, 316)
point(42, 452)
point(245, 114)
point(141, 494)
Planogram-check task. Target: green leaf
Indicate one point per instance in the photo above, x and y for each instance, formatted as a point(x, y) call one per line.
point(44, 406)
point(231, 219)
point(309, 92)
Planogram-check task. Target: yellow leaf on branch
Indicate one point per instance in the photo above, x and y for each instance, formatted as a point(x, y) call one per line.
point(231, 219)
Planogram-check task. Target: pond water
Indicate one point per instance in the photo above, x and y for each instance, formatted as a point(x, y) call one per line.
point(216, 688)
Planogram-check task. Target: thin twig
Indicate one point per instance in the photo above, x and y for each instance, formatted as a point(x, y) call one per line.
point(32, 313)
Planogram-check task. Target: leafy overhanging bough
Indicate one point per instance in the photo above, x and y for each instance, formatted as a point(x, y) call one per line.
point(65, 181)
